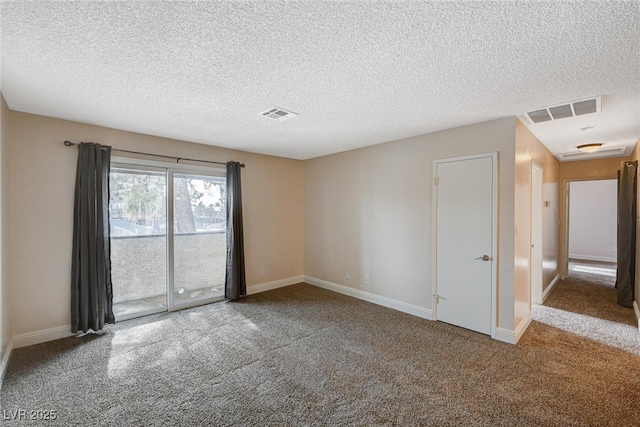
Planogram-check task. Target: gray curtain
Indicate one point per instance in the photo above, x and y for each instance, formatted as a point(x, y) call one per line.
point(91, 289)
point(627, 211)
point(235, 281)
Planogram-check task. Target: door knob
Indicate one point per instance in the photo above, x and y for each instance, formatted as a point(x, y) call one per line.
point(485, 258)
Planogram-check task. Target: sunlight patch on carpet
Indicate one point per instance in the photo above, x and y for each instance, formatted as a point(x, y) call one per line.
point(607, 332)
point(595, 270)
point(125, 346)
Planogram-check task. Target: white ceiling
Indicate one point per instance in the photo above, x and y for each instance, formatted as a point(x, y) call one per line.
point(358, 73)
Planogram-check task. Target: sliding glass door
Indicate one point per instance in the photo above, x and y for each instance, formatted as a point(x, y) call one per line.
point(138, 218)
point(199, 245)
point(156, 267)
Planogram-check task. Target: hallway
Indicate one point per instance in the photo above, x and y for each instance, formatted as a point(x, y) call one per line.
point(585, 305)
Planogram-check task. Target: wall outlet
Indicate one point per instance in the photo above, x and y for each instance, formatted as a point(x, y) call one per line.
point(366, 279)
point(347, 275)
point(263, 272)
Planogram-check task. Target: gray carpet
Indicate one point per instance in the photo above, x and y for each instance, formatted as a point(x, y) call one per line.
point(586, 306)
point(306, 356)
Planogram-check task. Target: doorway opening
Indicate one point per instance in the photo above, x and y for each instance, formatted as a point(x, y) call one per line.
point(584, 303)
point(592, 218)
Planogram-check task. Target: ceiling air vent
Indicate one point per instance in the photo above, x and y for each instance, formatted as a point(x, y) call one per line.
point(562, 111)
point(278, 114)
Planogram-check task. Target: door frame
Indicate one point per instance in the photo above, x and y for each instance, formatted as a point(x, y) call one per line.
point(536, 286)
point(168, 169)
point(494, 234)
point(564, 268)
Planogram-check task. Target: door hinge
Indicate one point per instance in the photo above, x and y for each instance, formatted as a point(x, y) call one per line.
point(436, 180)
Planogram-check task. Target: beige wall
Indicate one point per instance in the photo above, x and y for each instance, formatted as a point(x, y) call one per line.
point(5, 289)
point(581, 171)
point(591, 169)
point(369, 211)
point(529, 150)
point(42, 177)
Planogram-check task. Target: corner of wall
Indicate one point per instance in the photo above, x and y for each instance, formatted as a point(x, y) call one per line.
point(529, 151)
point(6, 342)
point(635, 155)
point(4, 361)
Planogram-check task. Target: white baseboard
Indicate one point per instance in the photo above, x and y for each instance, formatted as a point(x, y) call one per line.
point(5, 361)
point(505, 335)
point(522, 327)
point(637, 310)
point(512, 337)
point(263, 287)
point(593, 258)
point(404, 307)
point(549, 288)
point(37, 337)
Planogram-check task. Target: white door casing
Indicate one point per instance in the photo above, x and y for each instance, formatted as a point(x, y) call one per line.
point(536, 234)
point(465, 225)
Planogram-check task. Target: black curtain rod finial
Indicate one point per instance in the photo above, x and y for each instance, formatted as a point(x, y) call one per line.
point(69, 144)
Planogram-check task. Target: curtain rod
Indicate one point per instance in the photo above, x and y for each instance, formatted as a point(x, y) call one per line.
point(177, 159)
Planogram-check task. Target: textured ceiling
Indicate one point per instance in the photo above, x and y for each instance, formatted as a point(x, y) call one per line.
point(357, 72)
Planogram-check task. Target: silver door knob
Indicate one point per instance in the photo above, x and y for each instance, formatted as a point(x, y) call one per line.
point(485, 258)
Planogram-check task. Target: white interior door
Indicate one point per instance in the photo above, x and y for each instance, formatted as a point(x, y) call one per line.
point(465, 228)
point(536, 234)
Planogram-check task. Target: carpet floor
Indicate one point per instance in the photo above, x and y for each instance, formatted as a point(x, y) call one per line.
point(301, 355)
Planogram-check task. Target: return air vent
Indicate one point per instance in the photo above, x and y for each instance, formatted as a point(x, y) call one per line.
point(563, 111)
point(278, 114)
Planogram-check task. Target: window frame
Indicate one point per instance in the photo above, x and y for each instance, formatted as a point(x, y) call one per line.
point(169, 169)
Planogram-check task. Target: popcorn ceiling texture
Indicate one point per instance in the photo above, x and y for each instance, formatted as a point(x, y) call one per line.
point(358, 73)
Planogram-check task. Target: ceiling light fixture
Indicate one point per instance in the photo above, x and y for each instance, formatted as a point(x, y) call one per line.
point(589, 148)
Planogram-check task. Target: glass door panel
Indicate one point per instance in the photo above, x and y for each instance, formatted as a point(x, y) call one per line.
point(138, 219)
point(199, 245)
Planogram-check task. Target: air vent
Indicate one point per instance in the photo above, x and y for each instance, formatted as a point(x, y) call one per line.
point(563, 111)
point(603, 152)
point(278, 114)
